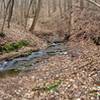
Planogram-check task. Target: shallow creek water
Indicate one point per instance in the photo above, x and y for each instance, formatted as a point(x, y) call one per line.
point(30, 61)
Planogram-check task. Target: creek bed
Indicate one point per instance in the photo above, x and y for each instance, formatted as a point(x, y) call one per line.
point(32, 60)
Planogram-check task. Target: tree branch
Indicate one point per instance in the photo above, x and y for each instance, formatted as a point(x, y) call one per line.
point(95, 3)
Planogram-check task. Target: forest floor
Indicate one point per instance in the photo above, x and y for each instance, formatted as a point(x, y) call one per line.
point(74, 76)
point(17, 34)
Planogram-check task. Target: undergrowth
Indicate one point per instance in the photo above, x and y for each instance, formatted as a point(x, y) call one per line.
point(14, 46)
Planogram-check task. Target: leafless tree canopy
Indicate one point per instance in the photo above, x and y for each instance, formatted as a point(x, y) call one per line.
point(20, 11)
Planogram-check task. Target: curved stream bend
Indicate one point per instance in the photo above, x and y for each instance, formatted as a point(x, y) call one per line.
point(31, 60)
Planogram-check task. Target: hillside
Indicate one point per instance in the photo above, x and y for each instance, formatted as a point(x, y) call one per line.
point(37, 62)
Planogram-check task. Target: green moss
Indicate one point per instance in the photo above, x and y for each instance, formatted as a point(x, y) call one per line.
point(51, 87)
point(14, 46)
point(24, 42)
point(2, 34)
point(8, 47)
point(54, 86)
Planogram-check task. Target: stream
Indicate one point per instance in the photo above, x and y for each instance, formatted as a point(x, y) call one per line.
point(32, 60)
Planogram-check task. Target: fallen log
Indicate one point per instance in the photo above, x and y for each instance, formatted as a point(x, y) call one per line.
point(95, 3)
point(14, 54)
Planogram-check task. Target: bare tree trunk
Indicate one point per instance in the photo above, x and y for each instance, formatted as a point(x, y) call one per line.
point(21, 13)
point(28, 12)
point(54, 5)
point(3, 6)
point(36, 16)
point(34, 6)
point(70, 12)
point(81, 4)
point(70, 19)
point(60, 8)
point(4, 3)
point(65, 5)
point(5, 15)
point(10, 12)
point(49, 14)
